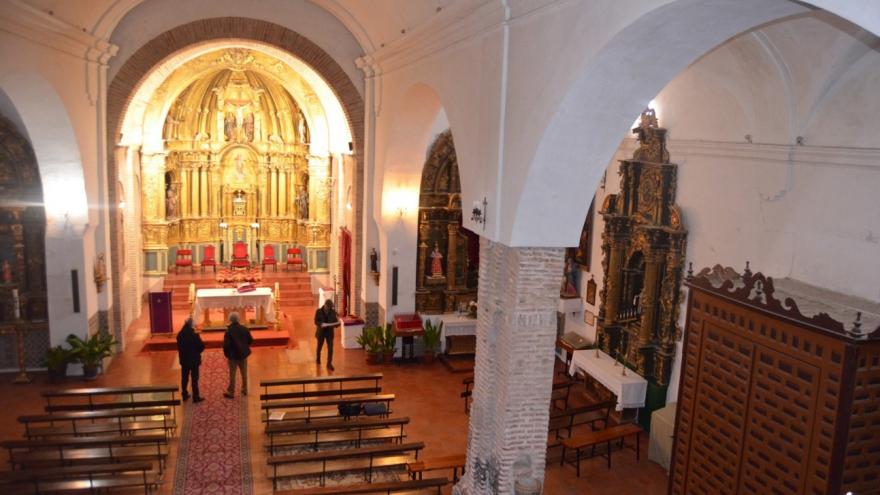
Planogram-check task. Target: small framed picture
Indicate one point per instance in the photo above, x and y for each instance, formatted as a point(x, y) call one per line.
point(589, 318)
point(591, 292)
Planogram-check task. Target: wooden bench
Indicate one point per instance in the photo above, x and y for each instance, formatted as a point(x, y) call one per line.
point(98, 399)
point(593, 438)
point(411, 487)
point(296, 434)
point(87, 450)
point(560, 392)
point(334, 461)
point(84, 423)
point(454, 462)
point(77, 479)
point(569, 418)
point(310, 409)
point(333, 386)
point(468, 382)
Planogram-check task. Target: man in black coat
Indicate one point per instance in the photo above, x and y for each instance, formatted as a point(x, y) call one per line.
point(236, 347)
point(325, 321)
point(189, 350)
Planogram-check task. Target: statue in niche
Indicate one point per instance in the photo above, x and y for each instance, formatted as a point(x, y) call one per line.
point(302, 132)
point(239, 168)
point(229, 126)
point(436, 263)
point(7, 272)
point(302, 202)
point(248, 126)
point(171, 201)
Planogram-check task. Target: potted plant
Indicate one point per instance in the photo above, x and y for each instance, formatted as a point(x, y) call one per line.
point(56, 361)
point(369, 339)
point(389, 340)
point(91, 352)
point(432, 339)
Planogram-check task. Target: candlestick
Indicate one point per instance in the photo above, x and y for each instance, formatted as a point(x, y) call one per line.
point(16, 309)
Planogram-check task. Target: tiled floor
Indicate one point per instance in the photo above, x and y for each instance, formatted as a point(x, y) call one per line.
point(428, 394)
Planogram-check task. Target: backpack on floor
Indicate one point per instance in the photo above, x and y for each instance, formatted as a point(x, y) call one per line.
point(349, 410)
point(375, 409)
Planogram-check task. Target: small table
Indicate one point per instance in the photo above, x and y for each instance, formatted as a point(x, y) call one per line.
point(630, 389)
point(569, 343)
point(407, 326)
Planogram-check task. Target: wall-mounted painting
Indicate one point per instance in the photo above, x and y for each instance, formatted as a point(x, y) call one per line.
point(589, 318)
point(591, 292)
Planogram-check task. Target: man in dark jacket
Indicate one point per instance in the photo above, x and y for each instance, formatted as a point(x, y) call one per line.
point(325, 321)
point(189, 350)
point(236, 347)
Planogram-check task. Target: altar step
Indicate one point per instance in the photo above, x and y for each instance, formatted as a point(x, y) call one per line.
point(213, 340)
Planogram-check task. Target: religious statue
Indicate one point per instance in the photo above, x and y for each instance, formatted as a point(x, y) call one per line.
point(249, 126)
point(7, 272)
point(302, 202)
point(100, 272)
point(239, 168)
point(301, 129)
point(170, 202)
point(374, 260)
point(436, 265)
point(229, 126)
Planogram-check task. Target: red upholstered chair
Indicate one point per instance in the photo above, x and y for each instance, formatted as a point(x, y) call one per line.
point(184, 258)
point(240, 256)
point(294, 257)
point(209, 259)
point(269, 257)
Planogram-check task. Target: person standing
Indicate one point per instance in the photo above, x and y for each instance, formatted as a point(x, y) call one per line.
point(325, 321)
point(236, 347)
point(189, 351)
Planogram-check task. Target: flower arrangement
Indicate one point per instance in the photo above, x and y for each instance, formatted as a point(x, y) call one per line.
point(472, 309)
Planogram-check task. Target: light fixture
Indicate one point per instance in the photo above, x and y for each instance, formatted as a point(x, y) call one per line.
point(478, 214)
point(122, 205)
point(401, 210)
point(223, 224)
point(255, 225)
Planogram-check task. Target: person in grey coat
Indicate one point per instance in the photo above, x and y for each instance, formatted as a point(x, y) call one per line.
point(236, 347)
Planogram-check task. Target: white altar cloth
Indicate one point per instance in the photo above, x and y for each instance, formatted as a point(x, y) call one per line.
point(453, 325)
point(630, 389)
point(261, 299)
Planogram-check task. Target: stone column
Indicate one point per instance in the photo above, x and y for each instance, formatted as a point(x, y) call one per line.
point(513, 372)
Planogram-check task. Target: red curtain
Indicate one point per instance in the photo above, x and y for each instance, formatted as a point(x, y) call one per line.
point(345, 258)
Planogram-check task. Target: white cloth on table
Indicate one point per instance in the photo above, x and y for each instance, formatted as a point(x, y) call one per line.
point(260, 299)
point(630, 389)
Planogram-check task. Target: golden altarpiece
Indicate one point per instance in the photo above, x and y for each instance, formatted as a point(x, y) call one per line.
point(24, 325)
point(643, 248)
point(236, 169)
point(448, 254)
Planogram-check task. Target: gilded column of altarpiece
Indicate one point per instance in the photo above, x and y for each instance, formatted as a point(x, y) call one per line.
point(643, 249)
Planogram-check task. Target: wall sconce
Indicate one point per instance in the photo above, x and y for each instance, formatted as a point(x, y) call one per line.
point(122, 205)
point(401, 210)
point(223, 224)
point(478, 214)
point(255, 225)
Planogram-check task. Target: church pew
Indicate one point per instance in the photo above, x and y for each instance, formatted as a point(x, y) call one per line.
point(454, 462)
point(294, 433)
point(560, 393)
point(411, 487)
point(569, 418)
point(335, 461)
point(330, 383)
point(311, 409)
point(78, 479)
point(593, 438)
point(83, 423)
point(87, 450)
point(103, 398)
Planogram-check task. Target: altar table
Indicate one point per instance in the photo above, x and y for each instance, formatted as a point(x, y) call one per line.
point(229, 299)
point(630, 389)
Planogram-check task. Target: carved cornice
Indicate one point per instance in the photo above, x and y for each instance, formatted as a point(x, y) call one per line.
point(23, 20)
point(756, 290)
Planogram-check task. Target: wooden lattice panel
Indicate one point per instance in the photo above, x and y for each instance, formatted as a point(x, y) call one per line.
point(780, 424)
point(722, 402)
point(862, 465)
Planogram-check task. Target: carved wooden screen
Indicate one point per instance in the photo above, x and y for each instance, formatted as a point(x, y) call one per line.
point(764, 400)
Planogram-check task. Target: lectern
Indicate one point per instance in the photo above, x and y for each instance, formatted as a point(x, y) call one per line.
point(160, 313)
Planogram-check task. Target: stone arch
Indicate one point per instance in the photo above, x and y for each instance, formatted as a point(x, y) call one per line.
point(615, 85)
point(124, 85)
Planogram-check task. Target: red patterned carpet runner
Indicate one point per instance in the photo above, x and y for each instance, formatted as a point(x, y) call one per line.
point(214, 456)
